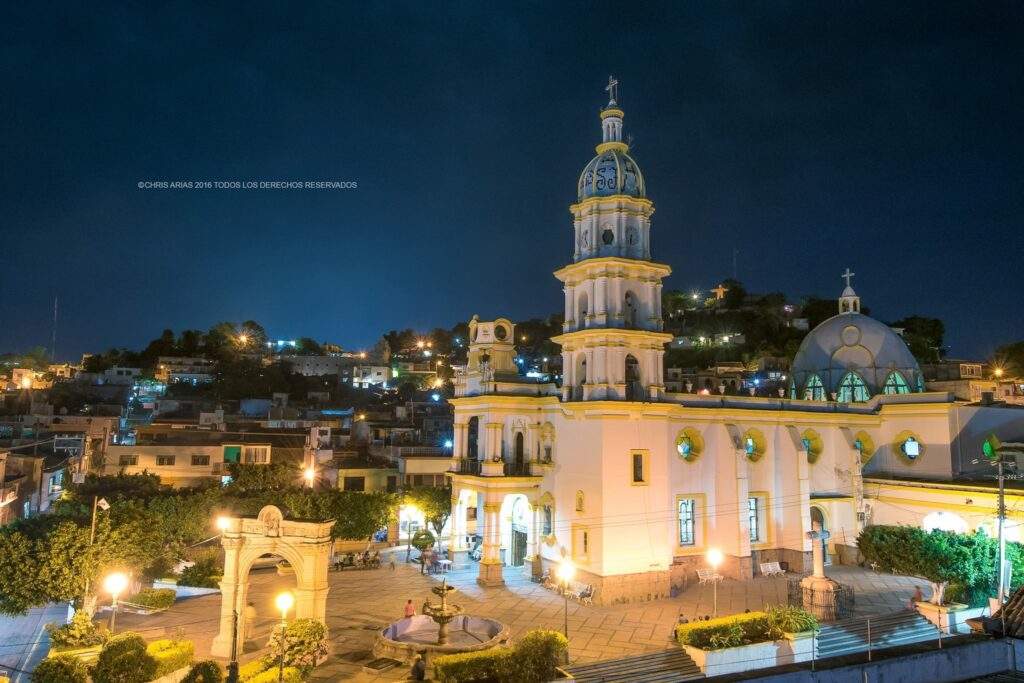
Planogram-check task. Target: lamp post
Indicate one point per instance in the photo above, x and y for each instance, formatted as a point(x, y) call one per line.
point(565, 573)
point(114, 584)
point(408, 529)
point(310, 475)
point(714, 558)
point(284, 603)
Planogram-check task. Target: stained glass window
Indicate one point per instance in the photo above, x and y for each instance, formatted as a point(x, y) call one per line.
point(896, 384)
point(852, 389)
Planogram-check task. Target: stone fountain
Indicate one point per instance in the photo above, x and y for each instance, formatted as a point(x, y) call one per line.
point(441, 629)
point(443, 613)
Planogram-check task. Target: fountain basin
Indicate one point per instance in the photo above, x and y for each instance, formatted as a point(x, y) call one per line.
point(405, 638)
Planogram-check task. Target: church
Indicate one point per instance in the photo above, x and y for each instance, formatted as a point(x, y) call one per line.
point(635, 484)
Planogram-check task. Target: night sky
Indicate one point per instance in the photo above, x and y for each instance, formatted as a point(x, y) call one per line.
point(880, 137)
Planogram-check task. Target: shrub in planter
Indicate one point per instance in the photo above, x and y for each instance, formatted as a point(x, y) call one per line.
point(247, 672)
point(64, 669)
point(153, 598)
point(291, 675)
point(171, 655)
point(731, 631)
point(124, 659)
point(488, 665)
point(206, 671)
point(532, 660)
point(205, 573)
point(784, 619)
point(81, 631)
point(304, 643)
point(537, 655)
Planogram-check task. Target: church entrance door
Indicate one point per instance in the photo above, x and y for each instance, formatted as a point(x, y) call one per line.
point(518, 546)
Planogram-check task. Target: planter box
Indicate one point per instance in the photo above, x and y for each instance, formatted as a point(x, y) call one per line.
point(86, 654)
point(795, 647)
point(951, 617)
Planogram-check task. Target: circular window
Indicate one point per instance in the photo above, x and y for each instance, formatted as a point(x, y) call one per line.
point(500, 332)
point(754, 444)
point(689, 444)
point(908, 446)
point(607, 236)
point(850, 335)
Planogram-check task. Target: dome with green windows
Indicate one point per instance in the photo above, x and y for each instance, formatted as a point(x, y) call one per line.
point(851, 357)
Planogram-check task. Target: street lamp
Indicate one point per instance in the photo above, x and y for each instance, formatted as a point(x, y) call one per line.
point(714, 558)
point(310, 475)
point(565, 573)
point(410, 509)
point(114, 584)
point(223, 523)
point(284, 603)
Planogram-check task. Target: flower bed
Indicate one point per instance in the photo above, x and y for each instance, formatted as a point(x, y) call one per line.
point(755, 640)
point(171, 655)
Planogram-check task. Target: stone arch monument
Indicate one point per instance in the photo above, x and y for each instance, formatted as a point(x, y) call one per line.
point(305, 545)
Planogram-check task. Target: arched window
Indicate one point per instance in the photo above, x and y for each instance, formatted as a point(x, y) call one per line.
point(629, 310)
point(582, 310)
point(852, 389)
point(792, 389)
point(895, 384)
point(634, 388)
point(472, 437)
point(520, 451)
point(814, 390)
point(920, 384)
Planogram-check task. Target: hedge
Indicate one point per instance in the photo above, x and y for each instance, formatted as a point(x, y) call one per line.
point(64, 669)
point(81, 631)
point(247, 672)
point(291, 675)
point(206, 671)
point(744, 629)
point(153, 598)
point(124, 659)
point(171, 655)
point(533, 660)
point(205, 573)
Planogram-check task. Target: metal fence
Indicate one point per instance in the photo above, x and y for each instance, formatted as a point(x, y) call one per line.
point(821, 602)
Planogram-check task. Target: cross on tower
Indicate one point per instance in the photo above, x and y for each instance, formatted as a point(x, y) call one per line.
point(613, 90)
point(719, 292)
point(848, 275)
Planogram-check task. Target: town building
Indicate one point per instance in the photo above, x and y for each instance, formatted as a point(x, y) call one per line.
point(635, 483)
point(185, 370)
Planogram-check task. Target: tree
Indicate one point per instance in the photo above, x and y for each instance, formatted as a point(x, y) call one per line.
point(736, 296)
point(434, 502)
point(18, 574)
point(941, 557)
point(924, 337)
point(1011, 358)
point(422, 540)
point(248, 479)
point(357, 515)
point(124, 660)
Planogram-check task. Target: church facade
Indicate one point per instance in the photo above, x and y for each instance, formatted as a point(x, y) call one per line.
point(635, 484)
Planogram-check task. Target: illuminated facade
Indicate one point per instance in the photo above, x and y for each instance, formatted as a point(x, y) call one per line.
point(635, 484)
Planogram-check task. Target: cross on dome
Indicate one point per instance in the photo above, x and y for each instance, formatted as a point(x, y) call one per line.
point(848, 275)
point(849, 302)
point(613, 91)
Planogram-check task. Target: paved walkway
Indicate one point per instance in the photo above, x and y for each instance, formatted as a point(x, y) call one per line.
point(361, 602)
point(23, 640)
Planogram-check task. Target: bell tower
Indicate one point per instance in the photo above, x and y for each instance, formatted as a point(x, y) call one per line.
point(612, 342)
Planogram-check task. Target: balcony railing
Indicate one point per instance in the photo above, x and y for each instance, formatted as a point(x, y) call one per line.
point(514, 469)
point(469, 466)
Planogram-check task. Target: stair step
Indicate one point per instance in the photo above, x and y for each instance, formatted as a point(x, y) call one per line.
point(655, 667)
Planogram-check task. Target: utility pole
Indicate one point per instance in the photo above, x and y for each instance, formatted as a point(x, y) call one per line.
point(1002, 536)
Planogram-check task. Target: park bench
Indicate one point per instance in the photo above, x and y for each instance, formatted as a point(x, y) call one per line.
point(583, 592)
point(708, 576)
point(772, 569)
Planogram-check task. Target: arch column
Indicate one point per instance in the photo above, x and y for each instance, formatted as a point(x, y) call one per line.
point(490, 573)
point(458, 540)
point(232, 600)
point(461, 437)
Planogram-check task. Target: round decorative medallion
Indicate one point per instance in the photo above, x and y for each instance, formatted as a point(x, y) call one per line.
point(850, 335)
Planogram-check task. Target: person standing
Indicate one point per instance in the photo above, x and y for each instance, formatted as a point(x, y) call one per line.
point(410, 609)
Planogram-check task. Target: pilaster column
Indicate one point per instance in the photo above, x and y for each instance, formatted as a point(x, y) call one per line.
point(601, 308)
point(742, 498)
point(458, 539)
point(494, 440)
point(490, 573)
point(461, 437)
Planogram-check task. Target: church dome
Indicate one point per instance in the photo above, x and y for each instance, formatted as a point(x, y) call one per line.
point(611, 172)
point(854, 357)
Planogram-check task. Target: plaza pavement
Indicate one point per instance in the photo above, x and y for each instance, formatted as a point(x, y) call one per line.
point(363, 601)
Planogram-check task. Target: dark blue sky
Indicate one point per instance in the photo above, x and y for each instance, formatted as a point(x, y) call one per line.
point(881, 137)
